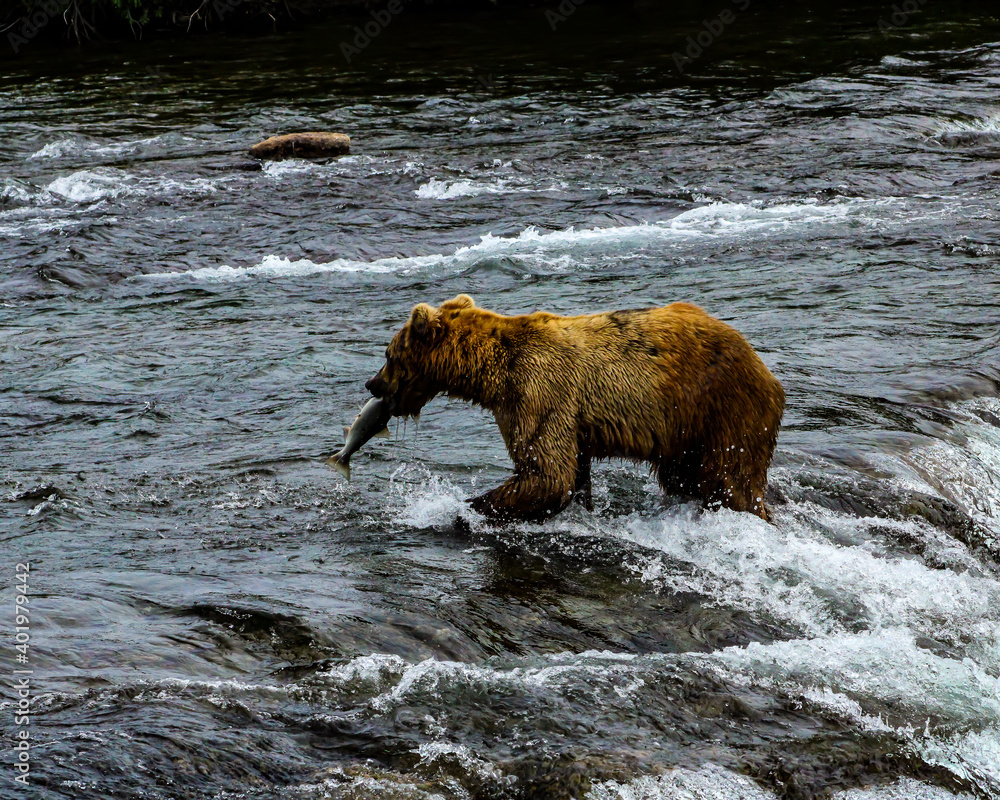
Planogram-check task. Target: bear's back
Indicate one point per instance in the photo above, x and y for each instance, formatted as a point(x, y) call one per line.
point(653, 364)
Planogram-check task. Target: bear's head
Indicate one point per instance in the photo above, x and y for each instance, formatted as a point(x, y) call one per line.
point(411, 375)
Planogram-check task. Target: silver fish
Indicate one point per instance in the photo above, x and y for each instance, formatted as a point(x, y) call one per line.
point(369, 424)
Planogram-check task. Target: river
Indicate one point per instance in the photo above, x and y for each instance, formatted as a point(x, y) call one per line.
point(215, 613)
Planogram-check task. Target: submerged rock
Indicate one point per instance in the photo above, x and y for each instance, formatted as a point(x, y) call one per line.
point(317, 144)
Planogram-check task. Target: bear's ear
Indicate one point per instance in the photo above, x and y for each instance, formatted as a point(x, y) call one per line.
point(462, 301)
point(424, 323)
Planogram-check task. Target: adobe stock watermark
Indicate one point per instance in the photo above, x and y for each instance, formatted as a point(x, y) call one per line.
point(380, 20)
point(33, 22)
point(562, 12)
point(21, 675)
point(223, 8)
point(487, 83)
point(711, 30)
point(901, 13)
point(219, 8)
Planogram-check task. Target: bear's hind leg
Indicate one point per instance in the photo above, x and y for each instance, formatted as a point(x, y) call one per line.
point(733, 488)
point(680, 477)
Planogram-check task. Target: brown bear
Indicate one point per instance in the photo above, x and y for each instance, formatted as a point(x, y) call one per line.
point(670, 386)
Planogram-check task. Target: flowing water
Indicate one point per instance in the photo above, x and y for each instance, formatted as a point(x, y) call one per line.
point(214, 613)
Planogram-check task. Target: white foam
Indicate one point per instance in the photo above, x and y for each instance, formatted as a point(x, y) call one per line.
point(289, 167)
point(887, 668)
point(436, 189)
point(974, 756)
point(984, 127)
point(275, 267)
point(38, 224)
point(14, 191)
point(373, 673)
point(556, 672)
point(56, 149)
point(359, 166)
point(89, 186)
point(386, 679)
point(101, 183)
point(845, 708)
point(437, 502)
point(442, 751)
point(900, 61)
point(968, 473)
point(341, 784)
point(795, 573)
point(62, 148)
point(710, 782)
point(904, 789)
point(713, 221)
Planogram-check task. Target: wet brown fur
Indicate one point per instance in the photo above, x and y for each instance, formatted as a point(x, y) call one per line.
point(670, 386)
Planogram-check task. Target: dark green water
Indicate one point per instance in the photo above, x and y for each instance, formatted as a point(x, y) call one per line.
point(216, 614)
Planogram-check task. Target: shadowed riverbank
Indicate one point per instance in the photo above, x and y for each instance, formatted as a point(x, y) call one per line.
point(694, 30)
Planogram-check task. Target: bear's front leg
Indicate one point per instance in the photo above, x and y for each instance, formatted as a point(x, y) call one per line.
point(523, 499)
point(545, 467)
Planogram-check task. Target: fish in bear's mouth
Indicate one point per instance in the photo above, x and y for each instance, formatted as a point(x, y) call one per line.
point(406, 401)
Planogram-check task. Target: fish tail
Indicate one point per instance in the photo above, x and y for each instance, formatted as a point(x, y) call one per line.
point(343, 467)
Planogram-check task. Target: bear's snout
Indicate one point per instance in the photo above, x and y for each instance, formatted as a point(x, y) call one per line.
point(376, 385)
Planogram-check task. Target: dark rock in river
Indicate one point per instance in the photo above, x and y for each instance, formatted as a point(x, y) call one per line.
point(303, 145)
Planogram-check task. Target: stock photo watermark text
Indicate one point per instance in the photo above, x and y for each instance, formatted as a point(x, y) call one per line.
point(711, 30)
point(900, 16)
point(33, 22)
point(21, 675)
point(380, 19)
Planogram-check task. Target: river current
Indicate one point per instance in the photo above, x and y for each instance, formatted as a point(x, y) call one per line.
point(215, 613)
